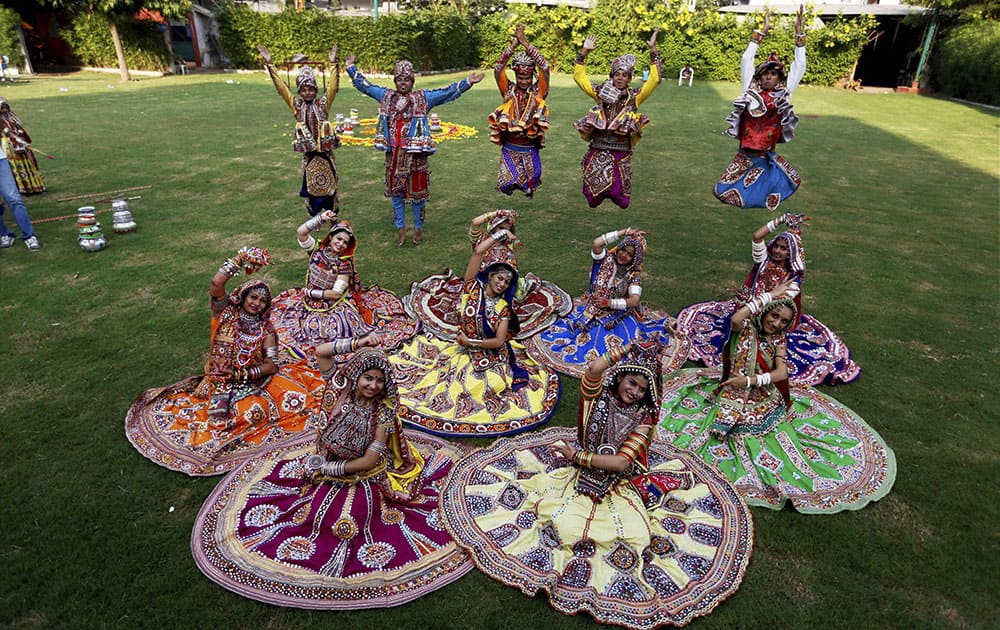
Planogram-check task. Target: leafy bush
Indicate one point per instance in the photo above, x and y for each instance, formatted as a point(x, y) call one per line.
point(710, 41)
point(10, 44)
point(445, 37)
point(434, 40)
point(89, 37)
point(966, 63)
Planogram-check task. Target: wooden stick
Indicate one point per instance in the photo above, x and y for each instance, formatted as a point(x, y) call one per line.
point(66, 216)
point(39, 152)
point(101, 194)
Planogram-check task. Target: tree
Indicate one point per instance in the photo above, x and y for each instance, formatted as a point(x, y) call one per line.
point(114, 10)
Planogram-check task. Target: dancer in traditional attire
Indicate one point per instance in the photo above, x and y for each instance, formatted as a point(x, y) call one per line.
point(537, 303)
point(762, 117)
point(805, 449)
point(315, 136)
point(519, 125)
point(636, 534)
point(403, 133)
point(333, 304)
point(17, 146)
point(815, 353)
point(242, 405)
point(610, 314)
point(614, 125)
point(347, 520)
point(482, 383)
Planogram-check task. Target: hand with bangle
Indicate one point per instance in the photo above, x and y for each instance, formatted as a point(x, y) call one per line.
point(463, 340)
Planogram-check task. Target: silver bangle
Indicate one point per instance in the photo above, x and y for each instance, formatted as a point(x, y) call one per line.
point(271, 352)
point(314, 222)
point(610, 237)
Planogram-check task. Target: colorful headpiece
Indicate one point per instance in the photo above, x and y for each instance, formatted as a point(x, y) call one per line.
point(771, 63)
point(306, 78)
point(796, 253)
point(499, 220)
point(637, 241)
point(240, 293)
point(523, 62)
point(625, 62)
point(789, 302)
point(342, 226)
point(339, 394)
point(643, 359)
point(403, 69)
point(505, 265)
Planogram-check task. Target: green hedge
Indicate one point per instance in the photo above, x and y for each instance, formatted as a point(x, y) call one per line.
point(710, 41)
point(435, 40)
point(89, 37)
point(10, 44)
point(966, 62)
point(443, 38)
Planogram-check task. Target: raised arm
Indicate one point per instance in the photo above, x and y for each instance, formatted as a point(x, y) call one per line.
point(798, 68)
point(500, 67)
point(541, 65)
point(757, 304)
point(279, 85)
point(580, 67)
point(655, 70)
point(362, 84)
point(476, 260)
point(333, 85)
point(306, 240)
point(326, 351)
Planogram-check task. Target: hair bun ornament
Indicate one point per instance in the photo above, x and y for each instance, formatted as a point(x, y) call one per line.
point(255, 257)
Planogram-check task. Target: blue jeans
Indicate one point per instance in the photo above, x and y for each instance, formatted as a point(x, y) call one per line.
point(12, 197)
point(399, 212)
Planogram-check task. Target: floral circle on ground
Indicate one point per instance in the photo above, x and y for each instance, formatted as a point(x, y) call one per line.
point(364, 133)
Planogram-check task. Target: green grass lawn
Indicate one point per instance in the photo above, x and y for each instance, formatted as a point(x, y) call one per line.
point(903, 262)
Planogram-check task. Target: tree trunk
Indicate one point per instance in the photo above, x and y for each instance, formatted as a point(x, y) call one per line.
point(119, 50)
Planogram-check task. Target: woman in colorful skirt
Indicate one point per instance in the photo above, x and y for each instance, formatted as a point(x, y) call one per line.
point(482, 383)
point(762, 117)
point(242, 405)
point(346, 520)
point(611, 314)
point(601, 519)
point(519, 125)
point(333, 304)
point(315, 137)
point(17, 146)
point(776, 445)
point(815, 353)
point(537, 303)
point(614, 125)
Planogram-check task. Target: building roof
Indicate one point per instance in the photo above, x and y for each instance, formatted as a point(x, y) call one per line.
point(829, 9)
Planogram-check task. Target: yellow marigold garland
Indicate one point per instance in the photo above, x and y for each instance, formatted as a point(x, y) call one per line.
point(364, 133)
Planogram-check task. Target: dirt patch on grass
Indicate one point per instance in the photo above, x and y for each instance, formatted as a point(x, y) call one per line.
point(906, 517)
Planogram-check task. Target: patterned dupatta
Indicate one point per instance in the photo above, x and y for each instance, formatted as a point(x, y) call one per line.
point(766, 347)
point(766, 275)
point(346, 429)
point(603, 423)
point(237, 341)
point(608, 280)
point(478, 322)
point(324, 268)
